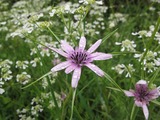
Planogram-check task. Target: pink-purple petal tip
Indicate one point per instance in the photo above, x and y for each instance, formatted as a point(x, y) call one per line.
point(94, 46)
point(60, 66)
point(128, 93)
point(75, 77)
point(95, 69)
point(82, 43)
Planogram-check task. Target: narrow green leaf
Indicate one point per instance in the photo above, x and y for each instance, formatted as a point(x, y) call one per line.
point(112, 88)
point(124, 53)
point(85, 86)
point(112, 81)
point(53, 33)
point(154, 76)
point(73, 99)
point(109, 35)
point(155, 102)
point(132, 112)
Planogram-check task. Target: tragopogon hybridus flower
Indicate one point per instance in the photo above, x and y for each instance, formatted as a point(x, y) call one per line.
point(78, 57)
point(142, 95)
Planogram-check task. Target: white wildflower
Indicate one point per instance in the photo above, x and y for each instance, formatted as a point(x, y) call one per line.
point(121, 68)
point(52, 12)
point(127, 45)
point(157, 61)
point(22, 64)
point(1, 89)
point(35, 61)
point(23, 78)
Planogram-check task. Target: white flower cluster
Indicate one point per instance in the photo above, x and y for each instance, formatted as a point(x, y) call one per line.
point(31, 113)
point(51, 78)
point(59, 102)
point(35, 61)
point(144, 33)
point(3, 26)
point(115, 18)
point(94, 26)
point(75, 28)
point(121, 68)
point(23, 78)
point(158, 1)
point(36, 107)
point(64, 8)
point(86, 2)
point(1, 89)
point(151, 60)
point(23, 18)
point(148, 34)
point(127, 45)
point(22, 64)
point(44, 50)
point(5, 73)
point(5, 69)
point(22, 114)
point(51, 104)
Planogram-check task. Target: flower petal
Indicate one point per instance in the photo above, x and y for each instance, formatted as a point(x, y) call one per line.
point(145, 111)
point(94, 46)
point(60, 66)
point(153, 94)
point(66, 47)
point(141, 82)
point(138, 103)
point(82, 43)
point(100, 56)
point(75, 77)
point(95, 69)
point(70, 68)
point(1, 91)
point(128, 93)
point(59, 51)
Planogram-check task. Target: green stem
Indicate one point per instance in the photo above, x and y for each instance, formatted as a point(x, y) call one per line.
point(65, 103)
point(132, 112)
point(73, 99)
point(53, 33)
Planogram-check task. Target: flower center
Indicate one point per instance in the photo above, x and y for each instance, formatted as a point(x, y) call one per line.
point(79, 57)
point(142, 94)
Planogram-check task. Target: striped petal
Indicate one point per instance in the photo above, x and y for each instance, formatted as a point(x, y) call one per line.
point(145, 111)
point(138, 103)
point(70, 69)
point(66, 47)
point(95, 69)
point(100, 56)
point(94, 46)
point(128, 93)
point(82, 43)
point(60, 66)
point(143, 82)
point(59, 51)
point(154, 93)
point(75, 77)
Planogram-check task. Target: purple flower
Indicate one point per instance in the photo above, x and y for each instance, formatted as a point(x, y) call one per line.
point(142, 95)
point(78, 57)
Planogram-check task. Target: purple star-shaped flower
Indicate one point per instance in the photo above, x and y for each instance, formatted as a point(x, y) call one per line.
point(142, 95)
point(78, 57)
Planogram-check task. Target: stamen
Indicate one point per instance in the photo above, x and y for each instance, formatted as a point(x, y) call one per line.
point(79, 57)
